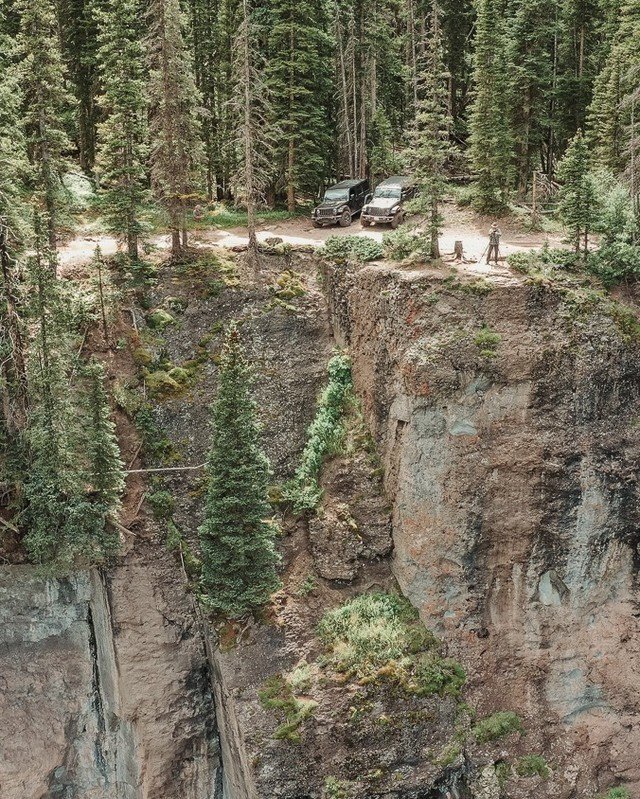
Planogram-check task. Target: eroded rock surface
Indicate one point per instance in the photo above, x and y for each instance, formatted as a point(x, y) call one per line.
point(507, 415)
point(105, 688)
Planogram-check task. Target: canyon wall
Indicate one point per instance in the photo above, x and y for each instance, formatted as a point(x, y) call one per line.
point(506, 410)
point(105, 687)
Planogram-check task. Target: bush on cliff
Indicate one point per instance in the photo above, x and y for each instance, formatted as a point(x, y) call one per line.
point(325, 436)
point(379, 638)
point(238, 541)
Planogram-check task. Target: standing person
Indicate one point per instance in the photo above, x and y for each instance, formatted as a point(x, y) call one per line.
point(494, 242)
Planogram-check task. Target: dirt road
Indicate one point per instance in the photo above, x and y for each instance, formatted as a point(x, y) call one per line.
point(459, 225)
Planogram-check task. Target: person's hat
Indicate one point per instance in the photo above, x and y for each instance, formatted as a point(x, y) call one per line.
point(494, 224)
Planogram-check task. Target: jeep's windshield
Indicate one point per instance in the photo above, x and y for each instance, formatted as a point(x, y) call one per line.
point(333, 195)
point(388, 192)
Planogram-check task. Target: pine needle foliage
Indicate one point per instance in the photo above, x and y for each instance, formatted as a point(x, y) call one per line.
point(122, 150)
point(431, 147)
point(490, 141)
point(324, 436)
point(237, 538)
point(106, 470)
point(65, 525)
point(578, 196)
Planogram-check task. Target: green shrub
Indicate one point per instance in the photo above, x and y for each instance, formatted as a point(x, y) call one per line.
point(615, 262)
point(337, 789)
point(497, 726)
point(351, 248)
point(324, 437)
point(404, 243)
point(162, 504)
point(487, 341)
point(159, 319)
point(379, 637)
point(532, 765)
point(277, 694)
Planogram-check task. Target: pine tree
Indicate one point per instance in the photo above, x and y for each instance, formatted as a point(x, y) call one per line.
point(106, 475)
point(299, 83)
point(173, 124)
point(610, 112)
point(531, 42)
point(430, 146)
point(256, 141)
point(122, 150)
point(490, 140)
point(238, 551)
point(64, 526)
point(14, 165)
point(46, 102)
point(78, 44)
point(578, 196)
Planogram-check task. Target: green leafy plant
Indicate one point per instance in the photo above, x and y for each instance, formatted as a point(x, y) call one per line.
point(404, 243)
point(532, 765)
point(351, 248)
point(616, 793)
point(378, 637)
point(487, 341)
point(500, 724)
point(277, 694)
point(324, 437)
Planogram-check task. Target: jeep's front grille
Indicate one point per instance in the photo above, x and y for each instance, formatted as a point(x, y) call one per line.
point(326, 212)
point(379, 212)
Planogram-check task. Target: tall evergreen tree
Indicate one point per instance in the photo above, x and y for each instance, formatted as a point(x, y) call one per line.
point(105, 468)
point(46, 101)
point(14, 166)
point(79, 46)
point(430, 144)
point(122, 149)
point(238, 552)
point(490, 140)
point(610, 112)
point(532, 40)
point(578, 196)
point(299, 83)
point(173, 123)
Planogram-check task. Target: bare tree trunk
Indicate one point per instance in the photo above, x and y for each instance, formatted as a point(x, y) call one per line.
point(103, 312)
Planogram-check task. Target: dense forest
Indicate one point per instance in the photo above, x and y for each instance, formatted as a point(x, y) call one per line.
point(269, 101)
point(167, 105)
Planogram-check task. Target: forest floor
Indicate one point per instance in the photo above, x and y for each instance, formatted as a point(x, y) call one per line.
point(460, 224)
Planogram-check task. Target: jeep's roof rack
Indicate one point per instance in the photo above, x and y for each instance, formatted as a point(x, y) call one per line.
point(397, 180)
point(348, 184)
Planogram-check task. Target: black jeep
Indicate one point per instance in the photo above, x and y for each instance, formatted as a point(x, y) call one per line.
point(387, 204)
point(341, 203)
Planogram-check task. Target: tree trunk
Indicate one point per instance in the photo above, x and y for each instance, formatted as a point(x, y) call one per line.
point(291, 196)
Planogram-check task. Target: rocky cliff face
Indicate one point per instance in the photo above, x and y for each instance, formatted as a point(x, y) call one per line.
point(506, 410)
point(105, 687)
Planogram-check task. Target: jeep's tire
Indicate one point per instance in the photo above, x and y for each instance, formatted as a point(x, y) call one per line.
point(315, 223)
point(397, 220)
point(365, 222)
point(345, 218)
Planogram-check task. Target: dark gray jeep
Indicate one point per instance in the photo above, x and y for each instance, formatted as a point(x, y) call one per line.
point(387, 204)
point(341, 203)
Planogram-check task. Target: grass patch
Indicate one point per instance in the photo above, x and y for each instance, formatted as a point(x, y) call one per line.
point(487, 340)
point(533, 765)
point(497, 726)
point(278, 694)
point(379, 638)
point(616, 793)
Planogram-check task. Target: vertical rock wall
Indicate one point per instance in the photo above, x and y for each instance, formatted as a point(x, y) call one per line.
point(105, 688)
point(507, 414)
